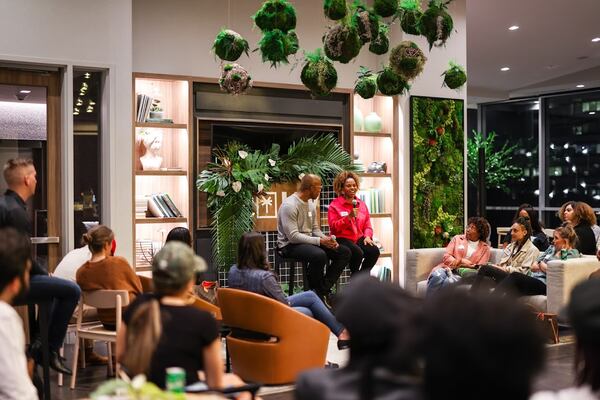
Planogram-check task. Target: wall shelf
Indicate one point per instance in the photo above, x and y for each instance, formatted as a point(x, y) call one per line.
point(156, 220)
point(162, 173)
point(160, 125)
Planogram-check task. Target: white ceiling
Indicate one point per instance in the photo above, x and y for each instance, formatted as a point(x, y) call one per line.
point(552, 50)
point(37, 95)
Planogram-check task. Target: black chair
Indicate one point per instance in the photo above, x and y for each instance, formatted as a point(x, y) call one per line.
point(281, 260)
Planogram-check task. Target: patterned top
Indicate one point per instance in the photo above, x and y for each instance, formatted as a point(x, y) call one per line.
point(549, 255)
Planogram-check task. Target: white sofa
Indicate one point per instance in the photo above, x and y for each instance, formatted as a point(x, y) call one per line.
point(562, 276)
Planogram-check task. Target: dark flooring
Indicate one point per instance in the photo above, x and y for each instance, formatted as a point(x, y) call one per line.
point(558, 374)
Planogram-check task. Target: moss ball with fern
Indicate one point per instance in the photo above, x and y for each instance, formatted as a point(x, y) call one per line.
point(274, 47)
point(390, 84)
point(276, 14)
point(229, 45)
point(335, 9)
point(385, 8)
point(291, 43)
point(407, 60)
point(410, 21)
point(367, 24)
point(318, 74)
point(455, 76)
point(366, 84)
point(436, 24)
point(381, 44)
point(342, 43)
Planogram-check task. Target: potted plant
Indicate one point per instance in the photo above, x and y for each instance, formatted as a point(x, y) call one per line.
point(318, 74)
point(156, 111)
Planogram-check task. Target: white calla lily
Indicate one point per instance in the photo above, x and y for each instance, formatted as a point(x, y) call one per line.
point(236, 186)
point(243, 154)
point(267, 177)
point(272, 162)
point(221, 193)
point(260, 187)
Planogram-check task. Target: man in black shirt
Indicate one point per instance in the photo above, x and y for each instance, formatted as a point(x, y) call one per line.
point(20, 177)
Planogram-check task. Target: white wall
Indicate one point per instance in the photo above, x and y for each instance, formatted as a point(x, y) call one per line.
point(91, 33)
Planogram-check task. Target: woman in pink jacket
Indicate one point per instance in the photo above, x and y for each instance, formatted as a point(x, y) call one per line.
point(463, 254)
point(350, 222)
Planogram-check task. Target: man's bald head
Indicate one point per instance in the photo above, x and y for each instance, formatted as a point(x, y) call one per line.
point(308, 181)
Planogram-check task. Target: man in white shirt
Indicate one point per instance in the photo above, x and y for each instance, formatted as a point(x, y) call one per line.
point(15, 263)
point(68, 266)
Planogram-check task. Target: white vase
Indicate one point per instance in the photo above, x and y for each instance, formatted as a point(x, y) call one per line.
point(358, 120)
point(373, 123)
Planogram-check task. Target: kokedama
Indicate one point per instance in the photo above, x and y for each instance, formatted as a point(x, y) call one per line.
point(436, 24)
point(235, 79)
point(335, 9)
point(385, 8)
point(366, 84)
point(381, 44)
point(410, 16)
point(407, 60)
point(276, 14)
point(230, 45)
point(390, 83)
point(455, 76)
point(318, 74)
point(367, 24)
point(275, 46)
point(342, 43)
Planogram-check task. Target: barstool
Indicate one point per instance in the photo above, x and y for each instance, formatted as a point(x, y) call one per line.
point(281, 260)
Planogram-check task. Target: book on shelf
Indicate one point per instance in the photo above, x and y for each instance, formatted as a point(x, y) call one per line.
point(144, 104)
point(160, 120)
point(162, 206)
point(373, 199)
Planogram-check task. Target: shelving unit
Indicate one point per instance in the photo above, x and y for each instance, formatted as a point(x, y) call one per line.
point(368, 147)
point(173, 175)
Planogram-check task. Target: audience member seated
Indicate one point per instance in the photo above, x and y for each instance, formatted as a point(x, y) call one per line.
point(584, 315)
point(350, 223)
point(383, 358)
point(534, 282)
point(20, 176)
point(479, 348)
point(463, 255)
point(581, 216)
point(299, 236)
point(107, 272)
point(538, 237)
point(252, 273)
point(519, 256)
point(162, 330)
point(15, 263)
point(180, 234)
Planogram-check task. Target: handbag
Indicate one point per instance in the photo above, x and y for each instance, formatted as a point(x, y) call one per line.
point(207, 290)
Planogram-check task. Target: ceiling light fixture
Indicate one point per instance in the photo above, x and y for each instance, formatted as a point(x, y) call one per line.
point(513, 28)
point(87, 75)
point(596, 39)
point(592, 112)
point(24, 91)
point(504, 69)
point(580, 86)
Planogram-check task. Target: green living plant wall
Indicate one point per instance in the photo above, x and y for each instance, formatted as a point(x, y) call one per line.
point(437, 162)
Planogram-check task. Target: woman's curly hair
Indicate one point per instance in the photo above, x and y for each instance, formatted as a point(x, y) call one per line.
point(341, 178)
point(482, 225)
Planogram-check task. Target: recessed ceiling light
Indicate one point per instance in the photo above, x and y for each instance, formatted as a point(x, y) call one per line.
point(513, 28)
point(580, 86)
point(25, 91)
point(596, 39)
point(504, 69)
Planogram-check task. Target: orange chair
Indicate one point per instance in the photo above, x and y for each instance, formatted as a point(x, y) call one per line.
point(300, 341)
point(147, 284)
point(208, 307)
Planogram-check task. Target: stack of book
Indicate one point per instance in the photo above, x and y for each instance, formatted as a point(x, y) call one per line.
point(144, 104)
point(162, 206)
point(141, 206)
point(373, 199)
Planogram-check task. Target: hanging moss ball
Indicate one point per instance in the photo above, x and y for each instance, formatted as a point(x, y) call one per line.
point(230, 45)
point(410, 20)
point(407, 60)
point(366, 87)
point(385, 8)
point(455, 76)
point(390, 84)
point(235, 79)
point(274, 47)
point(436, 25)
point(381, 44)
point(318, 74)
point(342, 43)
point(367, 24)
point(291, 43)
point(276, 14)
point(335, 9)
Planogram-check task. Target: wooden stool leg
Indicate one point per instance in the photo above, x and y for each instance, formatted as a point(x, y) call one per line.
point(292, 278)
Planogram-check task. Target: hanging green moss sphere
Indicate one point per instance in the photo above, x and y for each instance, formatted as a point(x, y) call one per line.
point(455, 77)
point(381, 44)
point(274, 47)
point(436, 25)
point(335, 9)
point(366, 87)
point(291, 43)
point(407, 60)
point(390, 84)
point(230, 45)
point(385, 8)
point(410, 20)
point(342, 43)
point(276, 14)
point(319, 76)
point(367, 25)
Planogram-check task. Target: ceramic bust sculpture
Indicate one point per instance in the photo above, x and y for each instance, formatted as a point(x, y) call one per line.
point(153, 142)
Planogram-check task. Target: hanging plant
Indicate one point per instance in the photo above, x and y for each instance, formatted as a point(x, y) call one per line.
point(381, 44)
point(436, 24)
point(291, 43)
point(390, 83)
point(235, 79)
point(455, 76)
point(335, 9)
point(318, 74)
point(342, 43)
point(410, 14)
point(366, 22)
point(274, 47)
point(229, 45)
point(407, 60)
point(366, 84)
point(276, 14)
point(385, 8)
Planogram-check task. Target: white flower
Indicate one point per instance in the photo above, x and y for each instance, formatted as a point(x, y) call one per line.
point(301, 176)
point(243, 154)
point(221, 193)
point(260, 187)
point(138, 382)
point(236, 186)
point(272, 162)
point(267, 177)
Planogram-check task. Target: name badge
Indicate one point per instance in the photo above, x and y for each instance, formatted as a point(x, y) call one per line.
point(461, 247)
point(344, 213)
point(310, 214)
